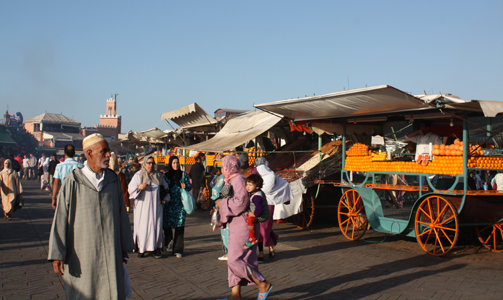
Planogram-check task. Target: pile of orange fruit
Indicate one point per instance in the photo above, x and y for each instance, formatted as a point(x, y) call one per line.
point(486, 162)
point(454, 149)
point(475, 150)
point(254, 153)
point(448, 165)
point(358, 150)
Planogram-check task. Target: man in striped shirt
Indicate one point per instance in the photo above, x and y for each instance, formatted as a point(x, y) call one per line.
point(62, 170)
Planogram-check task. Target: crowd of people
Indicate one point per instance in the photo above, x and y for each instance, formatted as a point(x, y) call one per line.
point(79, 249)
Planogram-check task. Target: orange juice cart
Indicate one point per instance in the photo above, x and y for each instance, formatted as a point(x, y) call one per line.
point(436, 215)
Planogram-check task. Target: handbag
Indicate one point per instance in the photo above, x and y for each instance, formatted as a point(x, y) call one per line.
point(187, 200)
point(200, 197)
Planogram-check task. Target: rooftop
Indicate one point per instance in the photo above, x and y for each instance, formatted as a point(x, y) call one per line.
point(49, 118)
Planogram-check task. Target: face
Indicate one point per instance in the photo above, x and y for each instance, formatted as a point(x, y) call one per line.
point(424, 127)
point(149, 165)
point(98, 155)
point(175, 164)
point(250, 187)
point(6, 164)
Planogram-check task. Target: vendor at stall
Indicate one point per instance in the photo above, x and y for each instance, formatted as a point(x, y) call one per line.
point(423, 137)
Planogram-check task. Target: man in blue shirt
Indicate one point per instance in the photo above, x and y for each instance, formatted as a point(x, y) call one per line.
point(62, 170)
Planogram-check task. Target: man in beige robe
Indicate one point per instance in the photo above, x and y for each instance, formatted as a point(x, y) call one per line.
point(91, 233)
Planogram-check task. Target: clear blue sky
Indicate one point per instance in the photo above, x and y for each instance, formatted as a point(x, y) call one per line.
point(70, 56)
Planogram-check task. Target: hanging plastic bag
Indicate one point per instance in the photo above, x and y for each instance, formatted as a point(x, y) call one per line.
point(187, 201)
point(215, 219)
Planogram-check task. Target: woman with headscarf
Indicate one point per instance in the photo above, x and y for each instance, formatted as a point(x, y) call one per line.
point(277, 191)
point(174, 213)
point(114, 166)
point(11, 189)
point(242, 264)
point(145, 187)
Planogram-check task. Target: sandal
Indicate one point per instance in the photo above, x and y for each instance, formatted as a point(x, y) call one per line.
point(272, 254)
point(263, 296)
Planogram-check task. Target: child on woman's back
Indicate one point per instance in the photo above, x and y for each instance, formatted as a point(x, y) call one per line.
point(258, 209)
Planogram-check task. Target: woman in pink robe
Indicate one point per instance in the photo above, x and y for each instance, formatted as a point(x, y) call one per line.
point(242, 264)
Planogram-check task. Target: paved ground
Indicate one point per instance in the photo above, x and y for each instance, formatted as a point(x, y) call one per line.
point(318, 263)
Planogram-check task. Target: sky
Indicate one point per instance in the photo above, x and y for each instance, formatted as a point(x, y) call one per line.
point(70, 56)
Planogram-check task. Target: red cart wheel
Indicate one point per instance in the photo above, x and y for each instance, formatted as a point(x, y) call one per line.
point(491, 236)
point(436, 225)
point(304, 219)
point(351, 214)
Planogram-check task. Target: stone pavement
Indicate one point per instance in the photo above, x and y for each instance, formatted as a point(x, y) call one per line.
point(318, 263)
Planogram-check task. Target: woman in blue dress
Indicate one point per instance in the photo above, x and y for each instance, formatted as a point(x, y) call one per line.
point(174, 213)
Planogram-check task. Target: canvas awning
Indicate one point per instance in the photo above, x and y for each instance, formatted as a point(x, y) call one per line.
point(63, 136)
point(350, 103)
point(238, 131)
point(6, 140)
point(191, 117)
point(488, 108)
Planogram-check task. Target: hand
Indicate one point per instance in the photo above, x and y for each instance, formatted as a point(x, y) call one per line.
point(251, 214)
point(142, 186)
point(182, 185)
point(421, 132)
point(54, 202)
point(125, 257)
point(58, 266)
point(217, 203)
point(212, 211)
point(163, 202)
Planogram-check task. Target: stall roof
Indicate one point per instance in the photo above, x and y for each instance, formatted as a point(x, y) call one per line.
point(190, 116)
point(63, 136)
point(488, 108)
point(350, 103)
point(238, 131)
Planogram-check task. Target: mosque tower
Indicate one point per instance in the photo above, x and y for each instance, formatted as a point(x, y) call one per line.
point(110, 123)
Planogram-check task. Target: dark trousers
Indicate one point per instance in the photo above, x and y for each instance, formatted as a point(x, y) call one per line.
point(177, 240)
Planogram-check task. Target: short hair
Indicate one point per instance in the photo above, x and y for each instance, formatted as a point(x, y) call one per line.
point(256, 179)
point(70, 150)
point(425, 123)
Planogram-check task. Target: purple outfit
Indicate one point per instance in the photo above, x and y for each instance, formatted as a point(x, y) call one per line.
point(232, 212)
point(257, 201)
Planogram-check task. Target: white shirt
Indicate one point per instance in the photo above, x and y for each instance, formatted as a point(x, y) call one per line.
point(423, 142)
point(95, 178)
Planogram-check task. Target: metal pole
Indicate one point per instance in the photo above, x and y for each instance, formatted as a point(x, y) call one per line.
point(466, 145)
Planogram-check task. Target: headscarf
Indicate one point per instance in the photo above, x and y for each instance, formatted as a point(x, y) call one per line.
point(261, 161)
point(231, 167)
point(114, 164)
point(5, 169)
point(174, 176)
point(146, 177)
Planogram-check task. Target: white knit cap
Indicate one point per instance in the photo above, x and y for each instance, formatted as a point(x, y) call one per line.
point(91, 140)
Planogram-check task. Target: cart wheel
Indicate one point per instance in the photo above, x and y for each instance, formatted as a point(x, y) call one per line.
point(491, 236)
point(436, 225)
point(304, 219)
point(351, 214)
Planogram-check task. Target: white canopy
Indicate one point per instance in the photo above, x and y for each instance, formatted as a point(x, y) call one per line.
point(350, 103)
point(238, 131)
point(190, 116)
point(488, 108)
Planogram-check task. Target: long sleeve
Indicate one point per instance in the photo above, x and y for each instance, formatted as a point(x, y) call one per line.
point(57, 238)
point(127, 243)
point(133, 186)
point(235, 206)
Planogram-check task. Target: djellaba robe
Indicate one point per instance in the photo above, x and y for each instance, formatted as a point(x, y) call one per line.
point(10, 188)
point(148, 212)
point(89, 233)
point(239, 260)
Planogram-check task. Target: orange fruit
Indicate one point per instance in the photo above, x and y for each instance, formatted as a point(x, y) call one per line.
point(442, 147)
point(436, 146)
point(442, 151)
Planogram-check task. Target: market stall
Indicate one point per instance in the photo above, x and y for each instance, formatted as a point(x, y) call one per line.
point(436, 214)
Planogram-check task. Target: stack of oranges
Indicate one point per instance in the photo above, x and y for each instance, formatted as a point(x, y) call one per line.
point(358, 150)
point(486, 162)
point(454, 149)
point(475, 150)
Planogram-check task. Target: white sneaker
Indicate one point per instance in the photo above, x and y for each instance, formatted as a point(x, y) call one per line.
point(178, 255)
point(223, 257)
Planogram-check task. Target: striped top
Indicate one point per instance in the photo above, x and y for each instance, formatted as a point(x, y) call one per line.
point(66, 167)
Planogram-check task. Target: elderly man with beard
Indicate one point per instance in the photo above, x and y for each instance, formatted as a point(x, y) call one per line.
point(91, 233)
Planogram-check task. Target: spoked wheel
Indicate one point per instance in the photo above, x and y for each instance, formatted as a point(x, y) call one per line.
point(491, 236)
point(351, 214)
point(304, 219)
point(436, 225)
